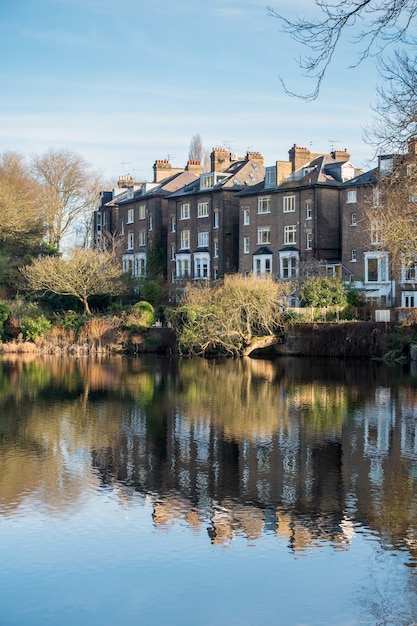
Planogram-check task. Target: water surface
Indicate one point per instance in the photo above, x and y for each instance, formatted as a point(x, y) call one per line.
point(157, 492)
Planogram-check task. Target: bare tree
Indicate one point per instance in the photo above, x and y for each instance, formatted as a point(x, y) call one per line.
point(396, 106)
point(85, 273)
point(376, 24)
point(226, 316)
point(392, 224)
point(70, 190)
point(195, 152)
point(19, 200)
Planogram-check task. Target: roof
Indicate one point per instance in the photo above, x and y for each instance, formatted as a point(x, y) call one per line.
point(367, 178)
point(263, 250)
point(235, 178)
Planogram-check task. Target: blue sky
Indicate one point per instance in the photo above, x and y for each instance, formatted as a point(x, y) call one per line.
point(125, 82)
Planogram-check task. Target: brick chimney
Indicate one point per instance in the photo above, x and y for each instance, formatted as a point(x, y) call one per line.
point(340, 155)
point(220, 159)
point(255, 157)
point(163, 169)
point(298, 157)
point(194, 167)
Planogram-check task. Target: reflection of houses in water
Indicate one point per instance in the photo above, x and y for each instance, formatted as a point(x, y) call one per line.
point(304, 487)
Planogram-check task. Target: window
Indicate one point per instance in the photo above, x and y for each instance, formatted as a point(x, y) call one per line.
point(206, 181)
point(150, 222)
point(173, 223)
point(353, 219)
point(262, 264)
point(309, 241)
point(142, 212)
point(409, 269)
point(376, 197)
point(270, 176)
point(173, 252)
point(351, 196)
point(288, 204)
point(183, 266)
point(185, 239)
point(140, 265)
point(372, 270)
point(201, 265)
point(216, 218)
point(185, 211)
point(264, 204)
point(246, 217)
point(353, 256)
point(130, 241)
point(376, 267)
point(130, 216)
point(202, 209)
point(99, 221)
point(122, 228)
point(264, 234)
point(288, 265)
point(215, 249)
point(309, 209)
point(142, 238)
point(290, 234)
point(408, 299)
point(375, 233)
point(246, 245)
point(203, 240)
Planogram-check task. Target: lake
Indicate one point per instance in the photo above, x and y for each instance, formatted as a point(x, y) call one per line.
point(158, 491)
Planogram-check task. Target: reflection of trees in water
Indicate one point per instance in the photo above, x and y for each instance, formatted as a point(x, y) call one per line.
point(252, 446)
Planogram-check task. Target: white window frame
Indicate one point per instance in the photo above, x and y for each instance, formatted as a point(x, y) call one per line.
point(185, 211)
point(264, 235)
point(290, 235)
point(142, 238)
point(246, 245)
point(203, 209)
point(382, 275)
point(130, 216)
point(216, 249)
point(288, 265)
point(376, 197)
point(185, 239)
point(353, 219)
point(409, 270)
point(288, 204)
point(151, 222)
point(130, 241)
point(376, 232)
point(140, 265)
point(142, 211)
point(309, 240)
point(264, 204)
point(353, 256)
point(351, 196)
point(203, 239)
point(246, 217)
point(173, 224)
point(262, 264)
point(216, 218)
point(201, 265)
point(409, 299)
point(183, 266)
point(309, 210)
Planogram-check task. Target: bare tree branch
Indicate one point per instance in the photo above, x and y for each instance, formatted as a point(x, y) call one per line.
point(380, 22)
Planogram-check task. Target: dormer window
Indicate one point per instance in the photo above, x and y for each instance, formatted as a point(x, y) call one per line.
point(206, 181)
